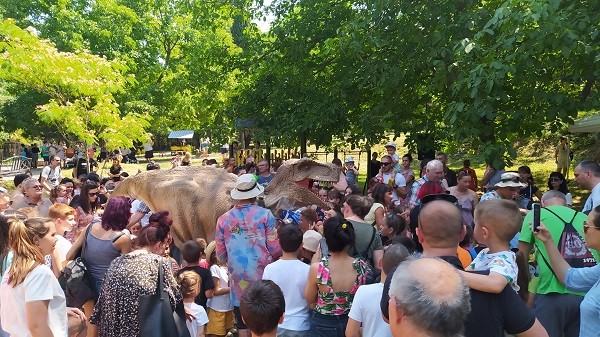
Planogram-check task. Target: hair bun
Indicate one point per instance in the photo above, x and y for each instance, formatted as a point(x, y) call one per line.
point(161, 218)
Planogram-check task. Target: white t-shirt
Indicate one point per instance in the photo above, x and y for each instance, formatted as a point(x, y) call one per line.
point(52, 175)
point(201, 318)
point(134, 208)
point(39, 285)
point(63, 246)
point(365, 309)
point(291, 277)
point(398, 181)
point(220, 303)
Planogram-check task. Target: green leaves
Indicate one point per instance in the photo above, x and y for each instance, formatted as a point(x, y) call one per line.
point(80, 87)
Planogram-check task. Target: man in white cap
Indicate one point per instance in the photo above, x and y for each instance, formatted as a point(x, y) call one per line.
point(391, 151)
point(507, 188)
point(246, 239)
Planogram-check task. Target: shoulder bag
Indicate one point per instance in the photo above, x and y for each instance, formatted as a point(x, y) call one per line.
point(156, 317)
point(76, 281)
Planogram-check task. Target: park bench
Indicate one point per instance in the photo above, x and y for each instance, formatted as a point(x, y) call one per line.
point(15, 164)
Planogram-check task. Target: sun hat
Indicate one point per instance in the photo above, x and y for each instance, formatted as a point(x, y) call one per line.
point(349, 160)
point(390, 144)
point(310, 240)
point(510, 179)
point(210, 248)
point(246, 187)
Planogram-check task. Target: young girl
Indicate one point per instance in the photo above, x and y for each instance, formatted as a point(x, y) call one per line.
point(220, 310)
point(33, 302)
point(60, 195)
point(189, 282)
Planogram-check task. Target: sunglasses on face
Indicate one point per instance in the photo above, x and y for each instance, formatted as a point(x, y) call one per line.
point(94, 194)
point(386, 163)
point(586, 227)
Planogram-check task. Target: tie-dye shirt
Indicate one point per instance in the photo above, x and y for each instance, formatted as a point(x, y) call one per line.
point(247, 239)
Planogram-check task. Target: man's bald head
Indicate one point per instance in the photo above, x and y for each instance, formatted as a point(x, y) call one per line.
point(432, 295)
point(440, 224)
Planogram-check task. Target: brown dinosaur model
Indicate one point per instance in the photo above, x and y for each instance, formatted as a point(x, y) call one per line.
point(196, 196)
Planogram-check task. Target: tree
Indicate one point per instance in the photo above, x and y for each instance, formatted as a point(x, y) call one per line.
point(480, 75)
point(79, 88)
point(180, 53)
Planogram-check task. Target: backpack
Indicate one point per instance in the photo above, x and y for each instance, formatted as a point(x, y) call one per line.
point(571, 245)
point(364, 256)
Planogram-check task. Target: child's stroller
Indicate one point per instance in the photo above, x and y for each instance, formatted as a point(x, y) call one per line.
point(130, 158)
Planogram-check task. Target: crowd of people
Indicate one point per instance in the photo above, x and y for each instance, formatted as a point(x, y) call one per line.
point(429, 252)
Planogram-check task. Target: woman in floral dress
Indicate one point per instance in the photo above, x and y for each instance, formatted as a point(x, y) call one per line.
point(334, 280)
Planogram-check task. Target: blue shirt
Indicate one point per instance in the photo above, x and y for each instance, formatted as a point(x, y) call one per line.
point(593, 200)
point(587, 280)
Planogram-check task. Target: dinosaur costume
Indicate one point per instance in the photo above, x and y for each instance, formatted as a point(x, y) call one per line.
point(196, 196)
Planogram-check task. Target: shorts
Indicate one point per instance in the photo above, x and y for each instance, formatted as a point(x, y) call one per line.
point(239, 322)
point(219, 323)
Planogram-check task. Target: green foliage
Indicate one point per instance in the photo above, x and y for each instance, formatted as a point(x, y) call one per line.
point(178, 57)
point(77, 91)
point(447, 74)
point(478, 75)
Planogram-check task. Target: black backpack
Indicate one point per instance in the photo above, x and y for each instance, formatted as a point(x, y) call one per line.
point(571, 245)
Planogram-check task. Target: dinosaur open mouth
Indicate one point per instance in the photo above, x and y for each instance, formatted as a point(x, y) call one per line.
point(320, 183)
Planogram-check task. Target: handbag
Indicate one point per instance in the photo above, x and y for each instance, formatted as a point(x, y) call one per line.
point(156, 317)
point(76, 281)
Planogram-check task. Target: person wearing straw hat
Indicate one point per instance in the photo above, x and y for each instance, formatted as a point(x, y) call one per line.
point(507, 188)
point(246, 239)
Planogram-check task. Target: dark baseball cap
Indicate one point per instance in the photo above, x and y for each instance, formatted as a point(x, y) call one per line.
point(18, 179)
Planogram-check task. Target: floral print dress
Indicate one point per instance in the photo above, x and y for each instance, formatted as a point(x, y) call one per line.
point(337, 303)
point(129, 277)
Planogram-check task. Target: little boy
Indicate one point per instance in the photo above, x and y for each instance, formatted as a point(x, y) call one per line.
point(351, 172)
point(191, 252)
point(496, 223)
point(290, 274)
point(262, 306)
point(391, 151)
point(63, 217)
point(364, 310)
point(189, 283)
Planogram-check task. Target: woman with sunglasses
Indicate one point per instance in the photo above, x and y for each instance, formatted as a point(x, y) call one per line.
point(557, 182)
point(105, 241)
point(585, 280)
point(86, 204)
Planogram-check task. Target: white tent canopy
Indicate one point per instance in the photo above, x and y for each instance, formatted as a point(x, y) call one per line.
point(181, 134)
point(587, 124)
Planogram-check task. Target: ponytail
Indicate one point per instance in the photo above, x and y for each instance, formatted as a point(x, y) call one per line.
point(26, 255)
